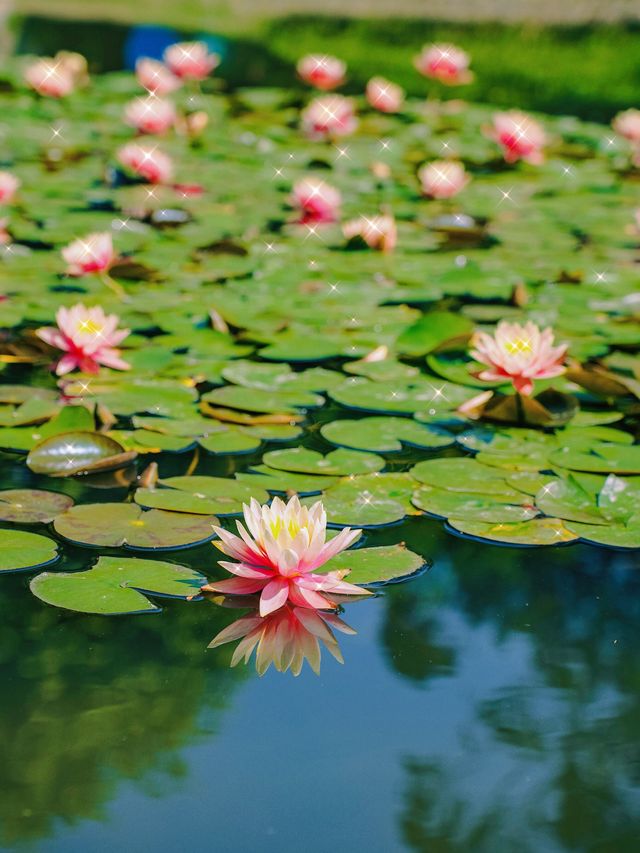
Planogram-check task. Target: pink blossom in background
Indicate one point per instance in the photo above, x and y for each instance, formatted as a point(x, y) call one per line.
point(520, 137)
point(150, 114)
point(190, 60)
point(316, 200)
point(88, 337)
point(442, 178)
point(384, 95)
point(329, 116)
point(8, 187)
point(50, 77)
point(519, 353)
point(278, 556)
point(444, 62)
point(378, 232)
point(285, 638)
point(147, 162)
point(627, 124)
point(156, 78)
point(90, 254)
point(323, 72)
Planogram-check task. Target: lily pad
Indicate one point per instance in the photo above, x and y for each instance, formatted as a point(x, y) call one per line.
point(116, 586)
point(611, 535)
point(369, 500)
point(565, 499)
point(32, 506)
point(225, 494)
point(21, 551)
point(461, 474)
point(471, 507)
point(259, 400)
point(601, 458)
point(338, 463)
point(376, 565)
point(112, 525)
point(384, 434)
point(261, 477)
point(73, 453)
point(538, 531)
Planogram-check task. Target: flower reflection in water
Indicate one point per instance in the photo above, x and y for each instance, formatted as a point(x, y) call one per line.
point(285, 638)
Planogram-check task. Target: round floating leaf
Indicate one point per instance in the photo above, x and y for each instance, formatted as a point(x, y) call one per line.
point(77, 453)
point(565, 499)
point(538, 531)
point(461, 474)
point(433, 330)
point(259, 400)
point(369, 500)
point(113, 525)
point(376, 565)
point(272, 480)
point(384, 434)
point(527, 482)
point(612, 535)
point(469, 506)
point(32, 506)
point(395, 397)
point(117, 585)
point(619, 499)
point(229, 441)
point(20, 551)
point(602, 458)
point(338, 463)
point(226, 494)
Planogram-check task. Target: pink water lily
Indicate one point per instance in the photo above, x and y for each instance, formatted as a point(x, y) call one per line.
point(150, 114)
point(155, 77)
point(378, 232)
point(191, 60)
point(52, 78)
point(442, 178)
point(384, 95)
point(444, 62)
point(88, 337)
point(90, 254)
point(627, 124)
point(285, 638)
point(8, 187)
point(316, 200)
point(519, 353)
point(147, 162)
point(520, 137)
point(323, 72)
point(279, 554)
point(329, 116)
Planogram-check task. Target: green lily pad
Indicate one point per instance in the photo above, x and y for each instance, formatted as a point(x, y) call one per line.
point(432, 331)
point(417, 395)
point(112, 525)
point(538, 531)
point(32, 506)
point(376, 565)
point(117, 586)
point(565, 499)
point(619, 498)
point(471, 507)
point(225, 494)
point(461, 474)
point(611, 535)
point(20, 551)
point(77, 453)
point(601, 458)
point(369, 500)
point(338, 463)
point(259, 400)
point(261, 477)
point(384, 434)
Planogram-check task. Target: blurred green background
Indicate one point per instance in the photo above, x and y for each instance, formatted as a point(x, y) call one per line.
point(573, 65)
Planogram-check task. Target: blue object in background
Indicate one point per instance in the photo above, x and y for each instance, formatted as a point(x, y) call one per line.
point(149, 40)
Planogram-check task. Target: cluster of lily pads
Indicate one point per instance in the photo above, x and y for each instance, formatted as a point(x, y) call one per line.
point(300, 361)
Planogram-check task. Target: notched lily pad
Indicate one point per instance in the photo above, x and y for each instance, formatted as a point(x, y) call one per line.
point(21, 551)
point(385, 434)
point(116, 586)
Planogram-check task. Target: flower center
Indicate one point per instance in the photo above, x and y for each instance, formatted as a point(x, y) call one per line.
point(518, 346)
point(90, 327)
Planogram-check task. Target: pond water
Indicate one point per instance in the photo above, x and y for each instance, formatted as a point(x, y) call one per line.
point(487, 705)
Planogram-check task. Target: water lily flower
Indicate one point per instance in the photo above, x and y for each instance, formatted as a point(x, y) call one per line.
point(147, 162)
point(627, 124)
point(150, 114)
point(191, 60)
point(285, 638)
point(8, 187)
point(378, 232)
point(442, 178)
point(329, 116)
point(88, 337)
point(519, 353)
point(279, 554)
point(155, 77)
point(50, 77)
point(444, 62)
point(520, 137)
point(76, 64)
point(90, 254)
point(317, 200)
point(384, 95)
point(323, 72)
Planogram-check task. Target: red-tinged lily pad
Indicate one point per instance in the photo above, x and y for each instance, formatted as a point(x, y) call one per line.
point(21, 551)
point(112, 525)
point(73, 453)
point(116, 586)
point(32, 506)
